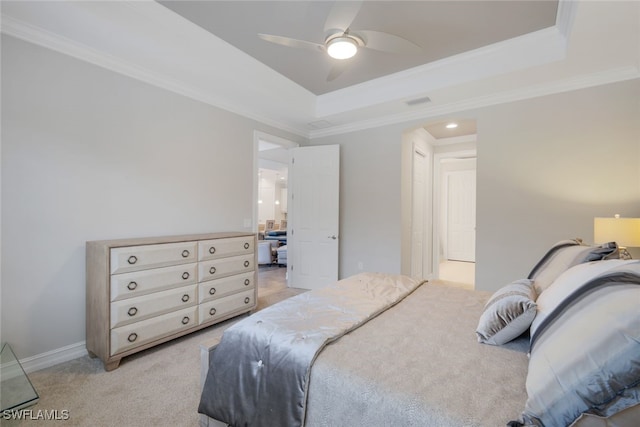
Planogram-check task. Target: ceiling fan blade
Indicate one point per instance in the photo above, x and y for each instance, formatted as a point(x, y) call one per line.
point(341, 15)
point(289, 42)
point(386, 42)
point(336, 69)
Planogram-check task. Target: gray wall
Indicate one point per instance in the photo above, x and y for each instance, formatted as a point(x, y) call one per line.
point(370, 226)
point(89, 154)
point(546, 167)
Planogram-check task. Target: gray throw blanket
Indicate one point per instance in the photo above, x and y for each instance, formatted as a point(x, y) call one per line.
point(259, 373)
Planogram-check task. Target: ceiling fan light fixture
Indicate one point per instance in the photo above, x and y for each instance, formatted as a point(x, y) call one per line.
point(342, 48)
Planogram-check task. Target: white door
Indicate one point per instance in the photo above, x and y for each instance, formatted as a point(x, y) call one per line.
point(461, 215)
point(312, 241)
point(418, 199)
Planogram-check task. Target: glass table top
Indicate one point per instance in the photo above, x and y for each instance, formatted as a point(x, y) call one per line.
point(16, 391)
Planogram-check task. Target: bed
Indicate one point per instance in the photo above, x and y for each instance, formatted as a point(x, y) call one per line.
point(432, 354)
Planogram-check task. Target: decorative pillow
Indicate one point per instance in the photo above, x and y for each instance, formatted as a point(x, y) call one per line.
point(508, 313)
point(585, 355)
point(562, 256)
point(567, 283)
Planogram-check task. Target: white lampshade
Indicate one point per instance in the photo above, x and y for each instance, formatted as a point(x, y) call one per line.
point(342, 48)
point(624, 231)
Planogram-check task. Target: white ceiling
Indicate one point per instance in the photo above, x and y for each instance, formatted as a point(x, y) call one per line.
point(591, 43)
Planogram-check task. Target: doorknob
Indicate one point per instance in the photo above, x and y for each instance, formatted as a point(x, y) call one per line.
point(332, 237)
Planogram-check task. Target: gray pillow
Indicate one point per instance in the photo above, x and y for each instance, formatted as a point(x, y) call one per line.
point(508, 313)
point(564, 255)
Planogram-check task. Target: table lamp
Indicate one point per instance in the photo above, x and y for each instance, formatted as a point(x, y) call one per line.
point(624, 231)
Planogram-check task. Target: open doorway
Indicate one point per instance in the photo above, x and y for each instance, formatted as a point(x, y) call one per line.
point(455, 216)
point(439, 201)
point(271, 177)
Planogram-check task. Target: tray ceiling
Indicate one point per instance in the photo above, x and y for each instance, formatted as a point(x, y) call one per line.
point(441, 28)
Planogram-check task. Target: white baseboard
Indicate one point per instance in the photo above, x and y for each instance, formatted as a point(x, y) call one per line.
point(53, 357)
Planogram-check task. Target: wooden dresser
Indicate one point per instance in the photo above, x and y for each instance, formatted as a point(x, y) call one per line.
point(143, 292)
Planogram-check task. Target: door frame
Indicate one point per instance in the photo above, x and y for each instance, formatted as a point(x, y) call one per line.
point(438, 188)
point(426, 249)
point(257, 137)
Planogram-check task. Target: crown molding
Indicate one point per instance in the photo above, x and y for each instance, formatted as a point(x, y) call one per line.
point(565, 15)
point(500, 57)
point(38, 36)
point(534, 91)
point(456, 140)
point(533, 49)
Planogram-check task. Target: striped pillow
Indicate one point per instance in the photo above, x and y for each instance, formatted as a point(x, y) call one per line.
point(564, 255)
point(508, 313)
point(585, 353)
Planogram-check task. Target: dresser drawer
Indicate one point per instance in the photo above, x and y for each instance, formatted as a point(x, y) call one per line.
point(214, 289)
point(140, 308)
point(139, 333)
point(134, 258)
point(212, 310)
point(220, 248)
point(138, 283)
point(209, 270)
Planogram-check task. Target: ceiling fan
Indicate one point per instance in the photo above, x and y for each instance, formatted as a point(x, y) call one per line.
point(341, 42)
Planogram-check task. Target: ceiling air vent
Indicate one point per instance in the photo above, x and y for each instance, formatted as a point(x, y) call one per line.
point(417, 101)
point(320, 124)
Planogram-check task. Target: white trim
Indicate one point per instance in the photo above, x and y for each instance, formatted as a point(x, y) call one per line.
point(54, 357)
point(437, 205)
point(64, 45)
point(534, 91)
point(529, 50)
point(565, 16)
point(455, 140)
point(416, 150)
point(285, 143)
point(538, 47)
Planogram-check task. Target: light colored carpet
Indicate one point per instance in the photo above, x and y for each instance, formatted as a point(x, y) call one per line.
point(156, 387)
point(459, 272)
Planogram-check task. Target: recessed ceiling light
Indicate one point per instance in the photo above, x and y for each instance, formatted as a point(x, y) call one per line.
point(452, 125)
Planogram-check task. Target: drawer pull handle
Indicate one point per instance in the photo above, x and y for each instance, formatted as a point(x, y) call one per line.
point(132, 311)
point(246, 263)
point(247, 282)
point(185, 298)
point(132, 337)
point(212, 250)
point(132, 285)
point(185, 253)
point(247, 300)
point(246, 245)
point(132, 259)
point(185, 275)
point(212, 291)
point(212, 270)
point(185, 320)
point(212, 311)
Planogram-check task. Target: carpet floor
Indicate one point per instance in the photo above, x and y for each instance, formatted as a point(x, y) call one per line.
point(156, 387)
